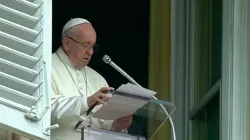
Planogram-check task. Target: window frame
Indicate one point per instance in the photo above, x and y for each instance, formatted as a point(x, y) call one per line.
point(180, 57)
point(235, 70)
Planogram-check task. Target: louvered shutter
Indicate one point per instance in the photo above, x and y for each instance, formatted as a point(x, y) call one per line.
point(25, 62)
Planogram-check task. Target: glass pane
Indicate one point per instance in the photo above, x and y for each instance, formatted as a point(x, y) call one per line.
point(208, 45)
point(202, 48)
point(216, 40)
point(206, 125)
point(154, 113)
point(213, 118)
point(199, 126)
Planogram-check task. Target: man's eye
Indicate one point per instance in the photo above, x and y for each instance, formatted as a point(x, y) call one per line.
point(85, 46)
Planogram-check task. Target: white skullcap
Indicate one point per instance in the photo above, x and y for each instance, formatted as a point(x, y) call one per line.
point(74, 22)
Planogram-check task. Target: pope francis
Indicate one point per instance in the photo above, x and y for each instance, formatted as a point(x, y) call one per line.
point(75, 86)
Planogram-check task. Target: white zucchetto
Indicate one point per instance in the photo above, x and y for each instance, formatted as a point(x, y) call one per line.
point(74, 22)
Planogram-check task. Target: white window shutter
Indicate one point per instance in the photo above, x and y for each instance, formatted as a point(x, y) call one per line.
point(25, 67)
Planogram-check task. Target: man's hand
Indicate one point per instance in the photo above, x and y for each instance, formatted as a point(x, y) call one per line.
point(122, 123)
point(100, 96)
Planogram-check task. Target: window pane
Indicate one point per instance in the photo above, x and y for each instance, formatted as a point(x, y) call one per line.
point(216, 40)
point(203, 52)
point(213, 118)
point(207, 123)
point(208, 45)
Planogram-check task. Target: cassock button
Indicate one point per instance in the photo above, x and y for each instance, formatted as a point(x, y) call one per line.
point(78, 72)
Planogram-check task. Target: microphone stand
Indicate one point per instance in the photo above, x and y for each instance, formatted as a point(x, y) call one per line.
point(108, 60)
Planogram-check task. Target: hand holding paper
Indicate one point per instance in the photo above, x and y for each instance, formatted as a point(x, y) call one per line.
point(122, 123)
point(99, 97)
point(127, 99)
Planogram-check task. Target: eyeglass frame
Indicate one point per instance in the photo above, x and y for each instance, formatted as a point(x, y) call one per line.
point(94, 47)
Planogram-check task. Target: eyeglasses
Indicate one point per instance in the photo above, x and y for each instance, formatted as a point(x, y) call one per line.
point(94, 47)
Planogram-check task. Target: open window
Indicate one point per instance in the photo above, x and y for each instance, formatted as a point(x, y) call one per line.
point(214, 100)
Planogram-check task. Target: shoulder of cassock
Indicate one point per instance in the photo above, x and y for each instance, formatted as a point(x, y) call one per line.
point(59, 71)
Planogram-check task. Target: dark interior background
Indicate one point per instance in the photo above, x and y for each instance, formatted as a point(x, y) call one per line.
point(123, 33)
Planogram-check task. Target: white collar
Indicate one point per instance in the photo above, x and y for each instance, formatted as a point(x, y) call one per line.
point(64, 58)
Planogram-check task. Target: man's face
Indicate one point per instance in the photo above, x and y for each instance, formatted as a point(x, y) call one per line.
point(79, 44)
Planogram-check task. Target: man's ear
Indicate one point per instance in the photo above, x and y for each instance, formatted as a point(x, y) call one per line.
point(66, 43)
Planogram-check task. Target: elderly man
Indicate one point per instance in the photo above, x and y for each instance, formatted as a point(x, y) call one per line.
point(76, 86)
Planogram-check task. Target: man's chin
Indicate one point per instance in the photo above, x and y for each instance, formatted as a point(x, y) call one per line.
point(83, 65)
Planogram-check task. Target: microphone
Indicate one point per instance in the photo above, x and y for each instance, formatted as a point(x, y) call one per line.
point(109, 61)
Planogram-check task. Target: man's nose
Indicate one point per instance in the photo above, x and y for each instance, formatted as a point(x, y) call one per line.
point(90, 51)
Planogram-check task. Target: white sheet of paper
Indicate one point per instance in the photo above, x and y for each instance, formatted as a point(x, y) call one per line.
point(121, 105)
point(136, 90)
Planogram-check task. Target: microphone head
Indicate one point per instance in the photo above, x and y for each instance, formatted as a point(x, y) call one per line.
point(106, 59)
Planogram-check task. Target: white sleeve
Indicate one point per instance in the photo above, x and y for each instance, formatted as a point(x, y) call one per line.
point(68, 109)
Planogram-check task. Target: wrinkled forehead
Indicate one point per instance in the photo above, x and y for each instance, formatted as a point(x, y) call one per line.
point(85, 33)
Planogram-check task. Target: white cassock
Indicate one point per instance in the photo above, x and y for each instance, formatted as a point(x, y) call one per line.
point(71, 87)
